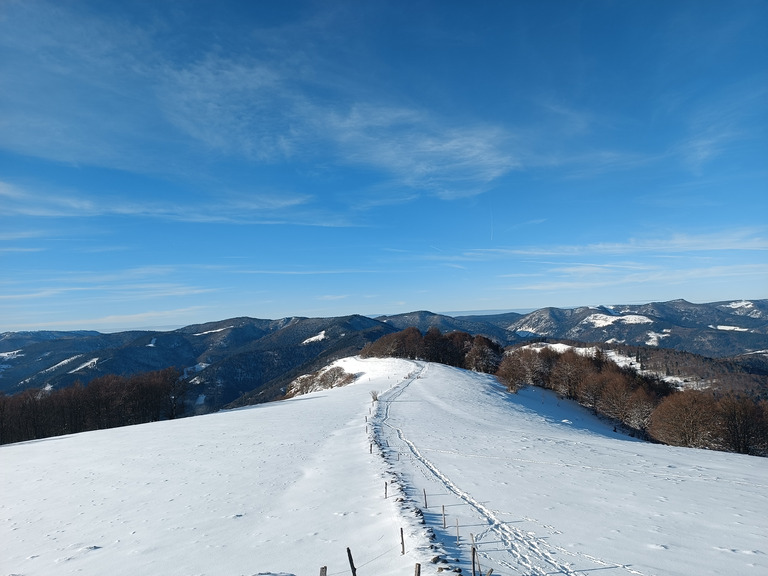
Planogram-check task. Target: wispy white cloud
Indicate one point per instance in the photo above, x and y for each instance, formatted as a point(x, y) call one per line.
point(677, 243)
point(333, 297)
point(312, 272)
point(582, 279)
point(104, 93)
point(150, 320)
point(419, 151)
point(19, 249)
point(256, 207)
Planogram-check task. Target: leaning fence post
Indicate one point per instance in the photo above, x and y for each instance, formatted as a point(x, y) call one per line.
point(351, 562)
point(474, 555)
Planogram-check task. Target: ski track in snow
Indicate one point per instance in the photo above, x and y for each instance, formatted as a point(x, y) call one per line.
point(527, 553)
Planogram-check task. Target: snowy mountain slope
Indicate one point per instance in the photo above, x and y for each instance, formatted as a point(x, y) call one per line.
point(549, 489)
point(286, 487)
point(231, 358)
point(281, 487)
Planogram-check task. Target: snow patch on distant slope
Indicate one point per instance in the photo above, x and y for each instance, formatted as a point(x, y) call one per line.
point(526, 332)
point(603, 320)
point(152, 344)
point(199, 367)
point(655, 337)
point(561, 348)
point(729, 328)
point(90, 364)
point(10, 355)
point(316, 338)
point(743, 308)
point(60, 364)
point(213, 331)
point(740, 304)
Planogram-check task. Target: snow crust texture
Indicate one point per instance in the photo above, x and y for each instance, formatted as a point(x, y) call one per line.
point(539, 484)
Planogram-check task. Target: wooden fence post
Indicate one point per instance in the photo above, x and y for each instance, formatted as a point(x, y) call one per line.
point(474, 554)
point(425, 498)
point(351, 562)
point(402, 543)
point(457, 531)
point(443, 516)
point(324, 571)
point(417, 570)
point(385, 490)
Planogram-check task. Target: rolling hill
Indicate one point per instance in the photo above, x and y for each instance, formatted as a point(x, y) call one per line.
point(539, 485)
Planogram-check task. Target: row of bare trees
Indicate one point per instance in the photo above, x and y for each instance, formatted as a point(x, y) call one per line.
point(652, 408)
point(106, 402)
point(458, 349)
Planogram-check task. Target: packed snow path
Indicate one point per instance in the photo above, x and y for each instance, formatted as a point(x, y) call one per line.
point(543, 487)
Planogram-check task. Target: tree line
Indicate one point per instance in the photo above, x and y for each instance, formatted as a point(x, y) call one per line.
point(105, 402)
point(649, 407)
point(458, 349)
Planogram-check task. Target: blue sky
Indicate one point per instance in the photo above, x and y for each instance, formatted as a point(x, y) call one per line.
point(168, 163)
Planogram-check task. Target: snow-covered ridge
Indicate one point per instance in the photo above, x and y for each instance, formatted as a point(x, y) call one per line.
point(317, 338)
point(602, 320)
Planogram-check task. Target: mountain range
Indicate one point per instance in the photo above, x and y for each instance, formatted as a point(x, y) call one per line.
point(246, 360)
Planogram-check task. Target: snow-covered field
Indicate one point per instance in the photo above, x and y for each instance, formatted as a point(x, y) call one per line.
point(541, 485)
